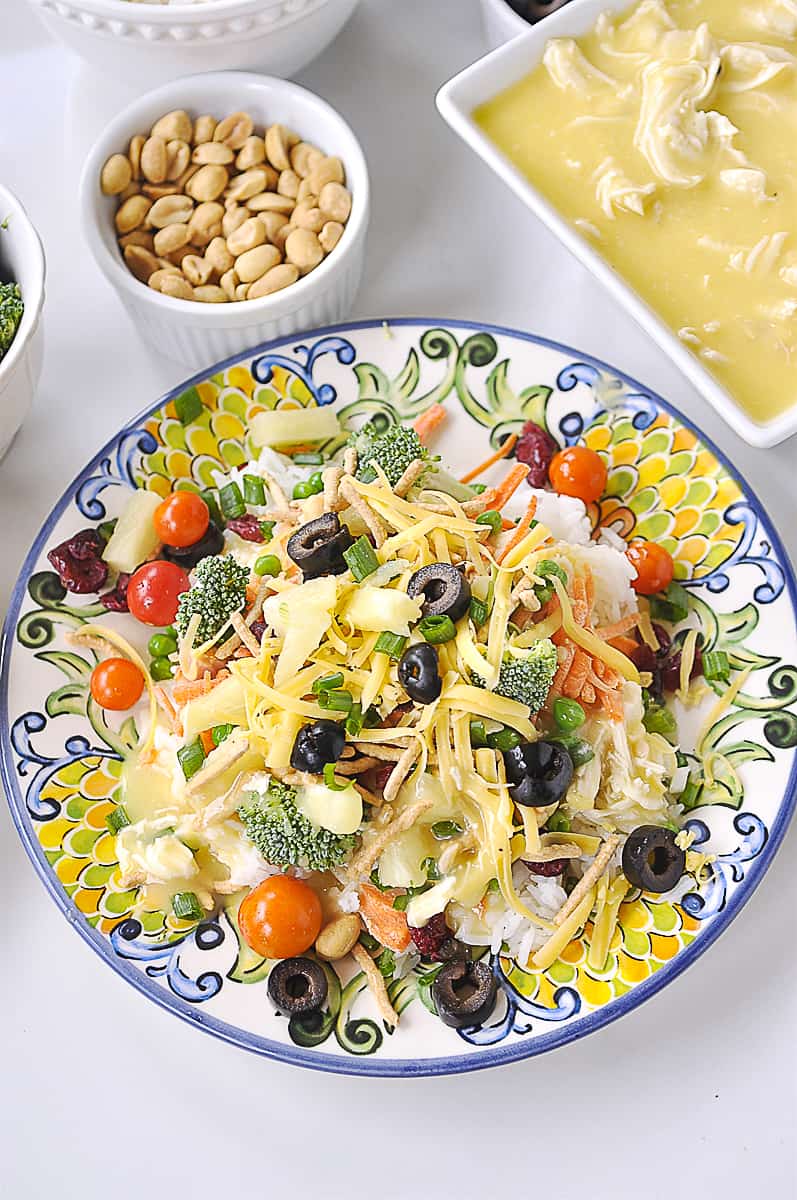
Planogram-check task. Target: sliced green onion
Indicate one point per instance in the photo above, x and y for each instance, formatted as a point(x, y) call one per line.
point(391, 644)
point(672, 605)
point(716, 666)
point(479, 488)
point(267, 564)
point(568, 714)
point(370, 943)
point(492, 518)
point(327, 682)
point(431, 870)
point(331, 781)
point(579, 750)
point(437, 629)
point(254, 490)
point(161, 668)
point(308, 459)
point(386, 964)
point(372, 718)
point(354, 721)
point(375, 880)
point(161, 645)
point(106, 529)
point(188, 406)
point(503, 739)
point(559, 823)
point(336, 701)
point(186, 906)
point(478, 735)
point(478, 611)
point(361, 559)
point(191, 757)
point(220, 732)
point(493, 886)
point(442, 830)
point(117, 819)
point(231, 501)
point(267, 529)
point(401, 902)
point(213, 507)
point(659, 719)
point(546, 570)
point(690, 796)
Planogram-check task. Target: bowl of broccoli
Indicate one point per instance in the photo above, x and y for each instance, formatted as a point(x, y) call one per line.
point(21, 299)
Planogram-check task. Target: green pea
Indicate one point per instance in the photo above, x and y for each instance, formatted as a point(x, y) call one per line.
point(268, 564)
point(161, 668)
point(568, 714)
point(491, 518)
point(160, 645)
point(302, 490)
point(316, 482)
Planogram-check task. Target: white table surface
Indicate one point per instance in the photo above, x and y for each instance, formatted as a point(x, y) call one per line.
point(103, 1094)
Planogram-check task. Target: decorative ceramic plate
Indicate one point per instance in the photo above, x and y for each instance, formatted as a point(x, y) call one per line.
point(61, 760)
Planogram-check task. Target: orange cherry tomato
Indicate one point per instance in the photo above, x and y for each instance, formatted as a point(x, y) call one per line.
point(182, 519)
point(154, 591)
point(116, 684)
point(281, 917)
point(578, 471)
point(654, 567)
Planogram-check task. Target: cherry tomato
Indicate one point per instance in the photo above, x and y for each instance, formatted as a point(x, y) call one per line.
point(281, 917)
point(578, 471)
point(153, 592)
point(182, 519)
point(116, 683)
point(654, 567)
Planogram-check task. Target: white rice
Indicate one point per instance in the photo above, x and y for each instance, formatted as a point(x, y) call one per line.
point(501, 926)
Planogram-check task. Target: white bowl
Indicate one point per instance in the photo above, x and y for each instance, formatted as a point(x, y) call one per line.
point(21, 260)
point(199, 334)
point(480, 82)
point(151, 43)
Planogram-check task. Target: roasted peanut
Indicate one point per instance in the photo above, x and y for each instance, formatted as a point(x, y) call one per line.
point(176, 286)
point(306, 192)
point(288, 184)
point(272, 222)
point(252, 233)
point(134, 154)
point(178, 158)
point(328, 170)
point(234, 130)
point(219, 256)
point(176, 124)
point(337, 938)
point(250, 265)
point(251, 154)
point(304, 157)
point(270, 202)
point(170, 210)
point(229, 282)
point(248, 184)
point(335, 201)
point(279, 238)
point(157, 277)
point(132, 189)
point(132, 213)
point(330, 235)
point(210, 294)
point(204, 128)
point(212, 152)
point(171, 238)
point(141, 262)
point(233, 219)
point(205, 223)
point(153, 160)
point(278, 145)
point(116, 175)
point(241, 290)
point(157, 190)
point(303, 249)
point(208, 183)
point(306, 217)
point(137, 238)
point(196, 270)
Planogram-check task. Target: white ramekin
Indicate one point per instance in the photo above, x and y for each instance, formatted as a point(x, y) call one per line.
point(148, 44)
point(200, 334)
point(497, 71)
point(22, 260)
point(501, 22)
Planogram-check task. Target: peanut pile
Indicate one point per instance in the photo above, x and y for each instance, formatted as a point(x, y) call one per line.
point(215, 212)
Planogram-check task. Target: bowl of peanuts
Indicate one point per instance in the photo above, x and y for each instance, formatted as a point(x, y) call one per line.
point(227, 209)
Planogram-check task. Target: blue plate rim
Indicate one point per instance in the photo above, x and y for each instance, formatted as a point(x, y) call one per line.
point(351, 1065)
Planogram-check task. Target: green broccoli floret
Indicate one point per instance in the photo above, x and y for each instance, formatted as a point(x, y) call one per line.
point(393, 450)
point(218, 589)
point(11, 310)
point(285, 837)
point(526, 675)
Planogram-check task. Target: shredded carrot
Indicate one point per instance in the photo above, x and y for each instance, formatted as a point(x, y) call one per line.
point(505, 450)
point(565, 659)
point(577, 675)
point(427, 422)
point(251, 592)
point(522, 529)
point(589, 584)
point(588, 693)
point(495, 498)
point(186, 689)
point(206, 738)
point(612, 702)
point(384, 922)
point(607, 632)
point(626, 645)
point(579, 600)
point(164, 700)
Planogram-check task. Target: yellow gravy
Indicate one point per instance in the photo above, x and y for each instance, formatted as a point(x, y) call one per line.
point(668, 136)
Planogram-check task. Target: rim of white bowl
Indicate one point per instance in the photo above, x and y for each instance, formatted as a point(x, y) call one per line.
point(33, 251)
point(507, 12)
point(117, 134)
point(156, 14)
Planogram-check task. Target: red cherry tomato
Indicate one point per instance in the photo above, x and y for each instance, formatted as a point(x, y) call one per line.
point(116, 683)
point(182, 519)
point(654, 567)
point(280, 918)
point(578, 471)
point(153, 592)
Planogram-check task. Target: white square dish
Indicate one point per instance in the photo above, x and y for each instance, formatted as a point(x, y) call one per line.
point(458, 99)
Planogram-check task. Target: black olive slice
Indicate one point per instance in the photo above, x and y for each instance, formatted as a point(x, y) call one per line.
point(317, 547)
point(464, 993)
point(187, 557)
point(445, 591)
point(316, 745)
point(297, 985)
point(419, 673)
point(652, 860)
point(539, 773)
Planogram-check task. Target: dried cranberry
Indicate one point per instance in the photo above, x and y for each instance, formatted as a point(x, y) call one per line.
point(247, 527)
point(535, 447)
point(663, 637)
point(670, 670)
point(78, 562)
point(434, 940)
point(116, 599)
point(644, 659)
point(258, 628)
point(556, 866)
point(382, 775)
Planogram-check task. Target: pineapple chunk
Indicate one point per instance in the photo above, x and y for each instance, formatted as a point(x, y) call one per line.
point(292, 426)
point(134, 539)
